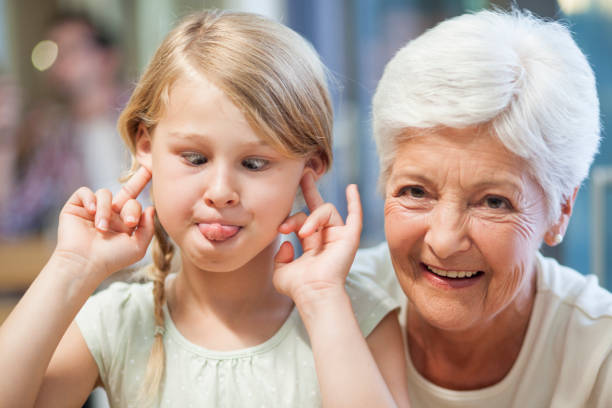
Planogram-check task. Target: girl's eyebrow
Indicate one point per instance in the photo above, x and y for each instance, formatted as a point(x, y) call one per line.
point(203, 137)
point(188, 135)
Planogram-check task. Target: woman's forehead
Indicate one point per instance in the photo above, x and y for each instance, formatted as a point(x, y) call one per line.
point(477, 158)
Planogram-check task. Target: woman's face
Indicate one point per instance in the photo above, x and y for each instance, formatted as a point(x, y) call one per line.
point(464, 220)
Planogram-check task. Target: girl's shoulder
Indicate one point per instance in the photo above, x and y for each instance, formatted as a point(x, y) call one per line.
point(119, 308)
point(117, 324)
point(122, 295)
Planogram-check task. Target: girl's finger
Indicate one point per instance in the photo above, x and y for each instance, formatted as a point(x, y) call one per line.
point(292, 223)
point(285, 253)
point(85, 198)
point(146, 227)
point(130, 213)
point(103, 209)
point(132, 188)
point(116, 224)
point(324, 216)
point(354, 219)
point(311, 193)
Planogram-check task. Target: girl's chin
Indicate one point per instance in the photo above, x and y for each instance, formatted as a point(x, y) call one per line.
point(216, 264)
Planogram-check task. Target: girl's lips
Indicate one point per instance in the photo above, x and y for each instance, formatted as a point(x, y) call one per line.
point(218, 232)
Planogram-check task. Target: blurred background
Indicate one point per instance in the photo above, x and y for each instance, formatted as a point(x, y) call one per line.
point(67, 68)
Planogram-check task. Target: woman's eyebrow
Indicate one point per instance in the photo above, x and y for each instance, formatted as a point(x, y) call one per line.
point(507, 183)
point(406, 173)
point(510, 182)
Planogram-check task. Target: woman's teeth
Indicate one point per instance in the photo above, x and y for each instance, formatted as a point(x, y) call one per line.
point(451, 274)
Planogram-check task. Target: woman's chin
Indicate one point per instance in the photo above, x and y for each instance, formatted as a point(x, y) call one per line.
point(446, 314)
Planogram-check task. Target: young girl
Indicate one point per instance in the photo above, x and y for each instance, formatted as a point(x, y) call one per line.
point(229, 118)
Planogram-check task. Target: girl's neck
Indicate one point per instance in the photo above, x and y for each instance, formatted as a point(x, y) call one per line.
point(231, 290)
point(240, 307)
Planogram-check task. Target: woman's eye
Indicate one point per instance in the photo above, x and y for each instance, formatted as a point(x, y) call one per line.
point(195, 158)
point(413, 191)
point(495, 202)
point(254, 163)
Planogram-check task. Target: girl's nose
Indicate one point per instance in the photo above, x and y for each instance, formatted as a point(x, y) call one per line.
point(447, 232)
point(221, 191)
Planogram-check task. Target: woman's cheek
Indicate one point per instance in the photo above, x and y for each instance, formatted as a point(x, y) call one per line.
point(403, 226)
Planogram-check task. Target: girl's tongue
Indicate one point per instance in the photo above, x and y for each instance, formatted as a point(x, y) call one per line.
point(218, 232)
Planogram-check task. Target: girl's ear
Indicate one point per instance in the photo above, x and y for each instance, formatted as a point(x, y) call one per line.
point(143, 147)
point(316, 165)
point(556, 232)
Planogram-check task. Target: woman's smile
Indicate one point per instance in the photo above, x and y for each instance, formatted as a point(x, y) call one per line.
point(451, 279)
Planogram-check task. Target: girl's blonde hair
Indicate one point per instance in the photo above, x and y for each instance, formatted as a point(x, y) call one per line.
point(268, 71)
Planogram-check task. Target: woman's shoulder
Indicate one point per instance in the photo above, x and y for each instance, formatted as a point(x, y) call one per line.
point(373, 267)
point(574, 290)
point(572, 319)
point(370, 285)
point(372, 256)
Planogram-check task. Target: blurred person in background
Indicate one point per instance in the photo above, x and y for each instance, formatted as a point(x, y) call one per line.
point(60, 143)
point(10, 111)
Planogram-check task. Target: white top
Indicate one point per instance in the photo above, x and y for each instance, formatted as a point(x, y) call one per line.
point(118, 327)
point(565, 359)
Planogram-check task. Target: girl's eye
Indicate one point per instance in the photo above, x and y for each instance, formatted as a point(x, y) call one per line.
point(413, 191)
point(195, 158)
point(255, 163)
point(496, 202)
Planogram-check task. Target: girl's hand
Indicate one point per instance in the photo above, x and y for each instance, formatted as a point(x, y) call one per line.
point(105, 234)
point(329, 247)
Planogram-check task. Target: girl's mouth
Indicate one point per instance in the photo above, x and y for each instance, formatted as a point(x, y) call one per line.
point(218, 232)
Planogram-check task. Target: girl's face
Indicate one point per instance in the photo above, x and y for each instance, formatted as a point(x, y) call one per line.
point(220, 191)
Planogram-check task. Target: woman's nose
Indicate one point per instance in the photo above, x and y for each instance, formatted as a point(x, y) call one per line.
point(447, 232)
point(221, 190)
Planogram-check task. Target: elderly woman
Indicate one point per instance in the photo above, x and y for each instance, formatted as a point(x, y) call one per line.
point(486, 126)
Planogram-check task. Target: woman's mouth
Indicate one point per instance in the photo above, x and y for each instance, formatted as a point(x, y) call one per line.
point(218, 232)
point(453, 274)
point(450, 278)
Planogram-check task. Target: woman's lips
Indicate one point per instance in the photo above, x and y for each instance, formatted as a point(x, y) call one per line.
point(218, 232)
point(451, 279)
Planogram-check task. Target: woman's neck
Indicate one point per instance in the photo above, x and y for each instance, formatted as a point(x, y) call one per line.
point(228, 310)
point(473, 358)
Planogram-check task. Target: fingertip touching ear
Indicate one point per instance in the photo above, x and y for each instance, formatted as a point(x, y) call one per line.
point(316, 166)
point(554, 236)
point(143, 147)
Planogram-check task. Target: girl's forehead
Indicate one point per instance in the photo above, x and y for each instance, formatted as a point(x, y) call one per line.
point(194, 101)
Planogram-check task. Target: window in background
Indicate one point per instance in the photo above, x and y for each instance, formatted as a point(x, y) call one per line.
point(591, 23)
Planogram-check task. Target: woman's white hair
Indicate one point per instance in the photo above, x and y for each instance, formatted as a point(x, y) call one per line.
point(522, 76)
